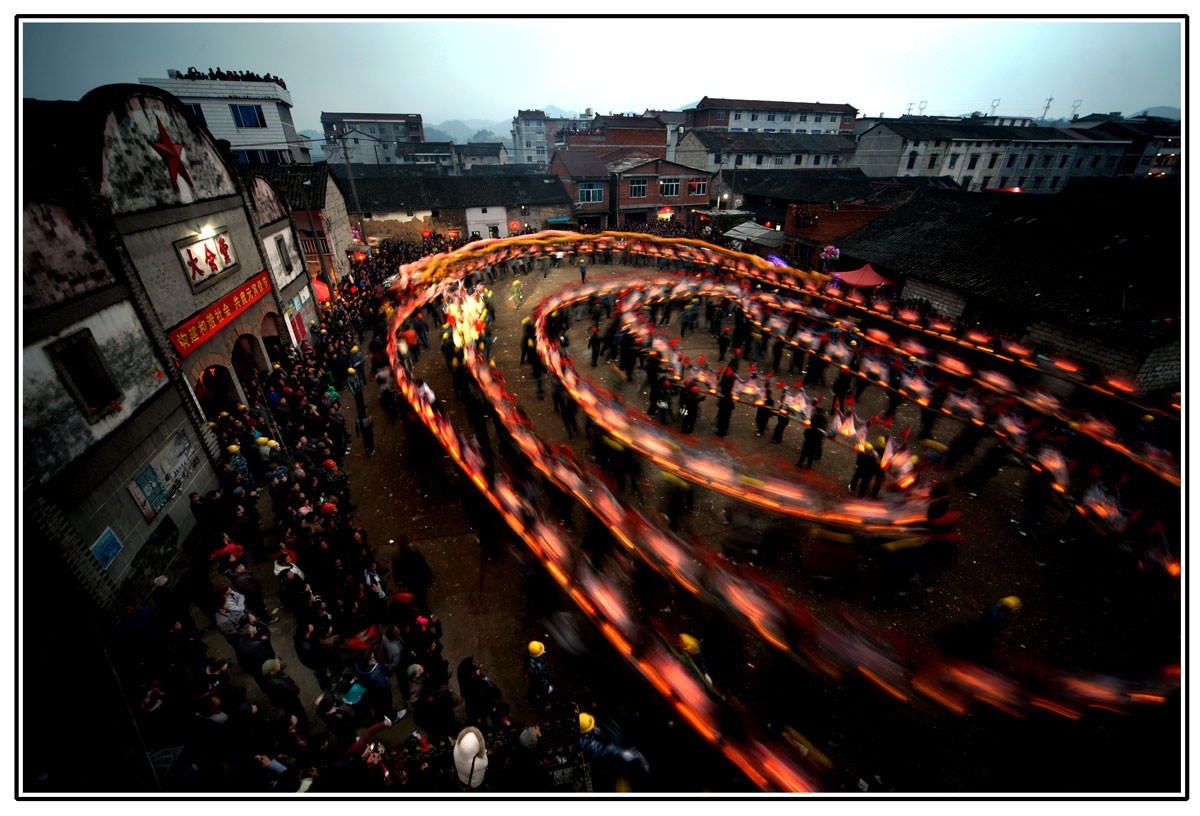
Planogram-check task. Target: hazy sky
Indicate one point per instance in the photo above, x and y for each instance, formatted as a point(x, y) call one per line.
point(489, 68)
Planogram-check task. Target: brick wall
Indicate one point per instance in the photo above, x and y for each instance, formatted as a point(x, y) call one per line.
point(950, 304)
point(46, 526)
point(1163, 368)
point(1106, 356)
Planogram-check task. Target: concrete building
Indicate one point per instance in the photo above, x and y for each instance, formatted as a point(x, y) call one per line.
point(255, 117)
point(530, 131)
point(1155, 145)
point(714, 151)
point(606, 133)
point(481, 154)
point(369, 138)
point(148, 286)
point(627, 187)
point(757, 116)
point(980, 157)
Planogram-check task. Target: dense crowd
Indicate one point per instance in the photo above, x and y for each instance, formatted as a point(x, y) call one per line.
point(229, 76)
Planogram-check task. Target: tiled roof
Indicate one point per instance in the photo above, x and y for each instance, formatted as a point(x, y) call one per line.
point(288, 179)
point(823, 186)
point(669, 117)
point(756, 104)
point(628, 122)
point(480, 149)
point(1069, 256)
point(983, 133)
point(581, 163)
point(389, 194)
point(773, 142)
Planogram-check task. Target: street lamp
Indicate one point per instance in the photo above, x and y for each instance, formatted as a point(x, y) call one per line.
point(724, 196)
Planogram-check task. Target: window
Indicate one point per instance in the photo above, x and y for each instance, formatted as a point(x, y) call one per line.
point(833, 159)
point(953, 160)
point(1079, 162)
point(758, 160)
point(529, 143)
point(815, 131)
point(483, 210)
point(1095, 161)
point(493, 231)
point(284, 255)
point(248, 116)
point(754, 117)
point(1054, 183)
point(668, 186)
point(198, 112)
point(938, 143)
point(528, 159)
point(1028, 162)
point(770, 117)
point(735, 130)
point(356, 141)
point(985, 183)
point(1063, 162)
point(992, 160)
point(738, 161)
point(591, 192)
point(817, 118)
point(797, 159)
point(1112, 161)
point(802, 117)
point(779, 160)
point(768, 130)
point(973, 161)
point(413, 126)
point(1012, 159)
point(1021, 181)
point(697, 186)
point(932, 161)
point(637, 188)
point(720, 116)
point(787, 117)
point(541, 151)
point(737, 117)
point(816, 159)
point(967, 182)
point(82, 370)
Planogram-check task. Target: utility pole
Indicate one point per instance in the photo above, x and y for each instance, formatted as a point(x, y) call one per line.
point(1049, 99)
point(908, 110)
point(362, 229)
point(921, 107)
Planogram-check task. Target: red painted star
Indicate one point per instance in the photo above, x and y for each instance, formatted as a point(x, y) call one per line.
point(173, 153)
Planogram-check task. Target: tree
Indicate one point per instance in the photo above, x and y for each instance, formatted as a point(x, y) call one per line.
point(484, 136)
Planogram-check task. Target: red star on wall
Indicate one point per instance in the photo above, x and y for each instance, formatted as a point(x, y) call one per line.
point(172, 153)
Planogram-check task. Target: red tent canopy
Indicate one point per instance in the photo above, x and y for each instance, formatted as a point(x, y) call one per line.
point(321, 290)
point(863, 276)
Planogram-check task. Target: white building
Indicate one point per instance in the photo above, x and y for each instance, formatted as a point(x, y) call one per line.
point(254, 117)
point(370, 138)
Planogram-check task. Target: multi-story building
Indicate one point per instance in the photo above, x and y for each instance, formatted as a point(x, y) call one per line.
point(756, 116)
point(254, 116)
point(1155, 147)
point(481, 154)
point(369, 138)
point(980, 157)
point(714, 150)
point(152, 280)
point(628, 186)
point(530, 134)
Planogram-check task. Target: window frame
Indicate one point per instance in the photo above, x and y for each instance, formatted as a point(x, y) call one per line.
point(59, 350)
point(697, 186)
point(666, 183)
point(642, 184)
point(236, 112)
point(591, 187)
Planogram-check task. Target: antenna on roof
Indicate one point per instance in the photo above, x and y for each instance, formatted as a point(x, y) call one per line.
point(909, 110)
point(1075, 108)
point(995, 104)
point(1049, 99)
point(921, 107)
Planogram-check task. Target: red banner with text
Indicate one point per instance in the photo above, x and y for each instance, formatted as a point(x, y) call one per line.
point(192, 333)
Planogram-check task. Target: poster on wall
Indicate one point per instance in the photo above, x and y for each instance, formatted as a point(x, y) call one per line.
point(207, 256)
point(164, 477)
point(106, 548)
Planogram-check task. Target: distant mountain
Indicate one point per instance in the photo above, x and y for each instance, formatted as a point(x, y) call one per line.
point(316, 146)
point(1165, 111)
point(555, 112)
point(436, 134)
point(460, 131)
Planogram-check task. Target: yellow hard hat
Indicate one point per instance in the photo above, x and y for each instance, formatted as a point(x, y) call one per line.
point(262, 440)
point(868, 447)
point(536, 648)
point(1012, 602)
point(223, 414)
point(881, 441)
point(1147, 417)
point(586, 722)
point(234, 448)
point(690, 644)
point(275, 366)
point(212, 424)
point(241, 407)
point(354, 348)
point(349, 370)
point(271, 443)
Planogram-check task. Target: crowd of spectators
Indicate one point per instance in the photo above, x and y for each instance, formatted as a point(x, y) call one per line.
point(227, 76)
